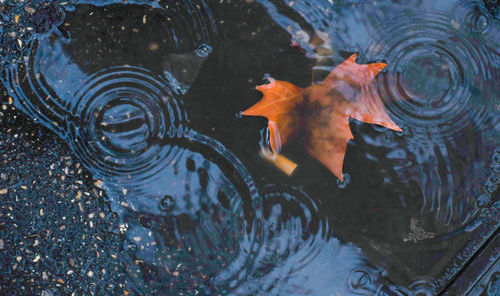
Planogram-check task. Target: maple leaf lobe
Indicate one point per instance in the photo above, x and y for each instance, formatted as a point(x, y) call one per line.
point(278, 105)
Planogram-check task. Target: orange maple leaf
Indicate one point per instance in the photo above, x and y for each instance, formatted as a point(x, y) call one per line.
point(322, 111)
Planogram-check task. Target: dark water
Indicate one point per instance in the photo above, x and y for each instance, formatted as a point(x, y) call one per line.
point(148, 94)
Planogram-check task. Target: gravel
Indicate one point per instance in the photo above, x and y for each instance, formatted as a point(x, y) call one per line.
point(51, 240)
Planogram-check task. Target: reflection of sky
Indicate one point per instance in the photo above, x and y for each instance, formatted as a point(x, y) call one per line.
point(328, 273)
point(58, 69)
point(349, 25)
point(176, 181)
point(290, 259)
point(345, 28)
point(152, 3)
point(286, 263)
point(308, 267)
point(445, 65)
point(65, 78)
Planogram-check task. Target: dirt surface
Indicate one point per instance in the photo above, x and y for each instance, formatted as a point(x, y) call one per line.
point(57, 236)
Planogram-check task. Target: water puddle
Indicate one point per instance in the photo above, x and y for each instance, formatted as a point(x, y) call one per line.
point(148, 95)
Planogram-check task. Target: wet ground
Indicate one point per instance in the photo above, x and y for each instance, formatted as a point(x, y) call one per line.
point(57, 233)
point(128, 169)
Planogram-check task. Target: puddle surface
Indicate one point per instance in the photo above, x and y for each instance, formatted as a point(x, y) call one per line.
point(147, 94)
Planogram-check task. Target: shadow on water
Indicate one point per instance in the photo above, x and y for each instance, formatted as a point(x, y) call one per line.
point(147, 94)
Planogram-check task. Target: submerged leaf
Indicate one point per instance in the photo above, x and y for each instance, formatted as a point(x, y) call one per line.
point(322, 111)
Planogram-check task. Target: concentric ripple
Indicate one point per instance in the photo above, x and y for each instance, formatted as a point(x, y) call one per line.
point(300, 256)
point(110, 111)
point(441, 63)
point(440, 73)
point(34, 95)
point(187, 206)
point(294, 225)
point(121, 111)
point(293, 237)
point(439, 88)
point(195, 226)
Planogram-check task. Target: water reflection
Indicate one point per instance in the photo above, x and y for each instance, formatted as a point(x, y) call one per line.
point(193, 219)
point(440, 85)
point(188, 208)
point(194, 226)
point(300, 256)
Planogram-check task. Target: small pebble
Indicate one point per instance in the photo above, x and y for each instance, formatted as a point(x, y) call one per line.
point(153, 46)
point(99, 183)
point(29, 10)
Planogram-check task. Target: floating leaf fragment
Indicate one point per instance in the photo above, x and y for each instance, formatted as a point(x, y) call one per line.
point(322, 111)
